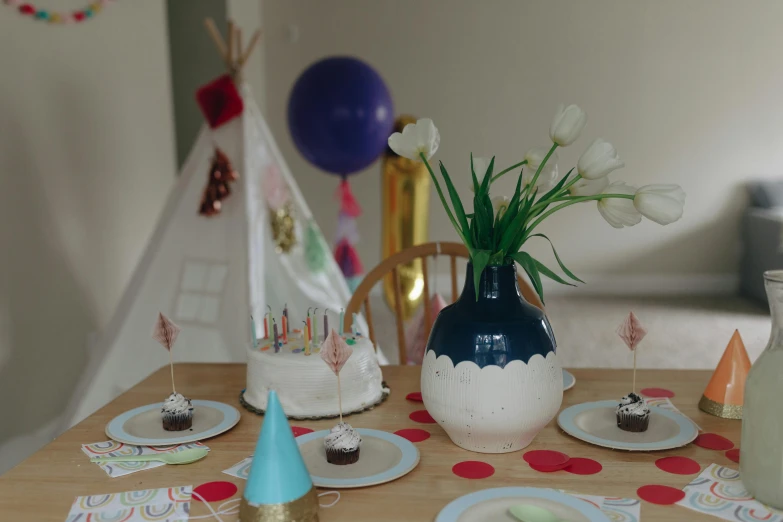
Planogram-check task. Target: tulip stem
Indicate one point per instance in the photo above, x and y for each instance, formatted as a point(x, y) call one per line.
point(512, 167)
point(574, 201)
point(538, 172)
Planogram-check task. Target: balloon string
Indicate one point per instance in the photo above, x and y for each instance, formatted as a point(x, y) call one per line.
point(231, 507)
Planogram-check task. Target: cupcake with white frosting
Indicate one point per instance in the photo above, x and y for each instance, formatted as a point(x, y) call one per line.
point(342, 445)
point(633, 414)
point(177, 412)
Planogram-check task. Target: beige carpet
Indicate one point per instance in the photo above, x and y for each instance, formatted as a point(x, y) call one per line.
point(683, 332)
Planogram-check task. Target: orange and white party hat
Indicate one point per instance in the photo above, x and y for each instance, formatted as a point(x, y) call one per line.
point(726, 391)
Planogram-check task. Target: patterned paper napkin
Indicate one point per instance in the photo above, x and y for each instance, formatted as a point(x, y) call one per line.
point(240, 469)
point(665, 404)
point(162, 505)
point(117, 449)
point(616, 509)
point(718, 491)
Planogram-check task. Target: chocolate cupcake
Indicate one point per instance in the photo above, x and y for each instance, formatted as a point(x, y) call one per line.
point(342, 445)
point(177, 413)
point(633, 414)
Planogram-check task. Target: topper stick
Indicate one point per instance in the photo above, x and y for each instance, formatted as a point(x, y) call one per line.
point(171, 365)
point(339, 398)
point(633, 388)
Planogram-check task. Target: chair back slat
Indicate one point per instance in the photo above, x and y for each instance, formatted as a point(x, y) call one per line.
point(361, 295)
point(427, 299)
point(368, 314)
point(399, 317)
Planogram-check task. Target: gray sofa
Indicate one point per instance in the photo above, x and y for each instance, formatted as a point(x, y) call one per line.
point(762, 237)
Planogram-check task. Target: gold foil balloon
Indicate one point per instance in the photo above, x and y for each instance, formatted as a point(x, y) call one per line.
point(405, 218)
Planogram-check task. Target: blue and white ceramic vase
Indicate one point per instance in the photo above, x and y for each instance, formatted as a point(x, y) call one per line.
point(490, 376)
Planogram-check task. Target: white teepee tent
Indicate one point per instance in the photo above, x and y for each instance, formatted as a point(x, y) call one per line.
point(209, 274)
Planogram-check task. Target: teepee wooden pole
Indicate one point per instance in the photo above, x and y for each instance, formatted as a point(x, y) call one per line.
point(219, 42)
point(230, 44)
point(253, 41)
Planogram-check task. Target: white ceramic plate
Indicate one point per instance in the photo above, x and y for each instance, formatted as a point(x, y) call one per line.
point(596, 423)
point(143, 426)
point(493, 505)
point(569, 381)
point(383, 457)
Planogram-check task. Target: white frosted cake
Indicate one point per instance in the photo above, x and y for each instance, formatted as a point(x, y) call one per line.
point(305, 385)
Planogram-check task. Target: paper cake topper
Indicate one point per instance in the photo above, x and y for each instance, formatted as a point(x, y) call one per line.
point(166, 333)
point(335, 352)
point(219, 100)
point(279, 487)
point(725, 393)
point(632, 332)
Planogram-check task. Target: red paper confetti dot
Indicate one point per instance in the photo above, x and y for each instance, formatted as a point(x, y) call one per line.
point(733, 454)
point(473, 469)
point(546, 460)
point(78, 16)
point(300, 430)
point(27, 9)
point(657, 392)
point(662, 495)
point(713, 441)
point(422, 416)
point(582, 466)
point(414, 396)
point(678, 465)
point(215, 491)
point(413, 434)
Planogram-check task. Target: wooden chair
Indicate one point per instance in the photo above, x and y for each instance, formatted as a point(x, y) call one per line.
point(389, 265)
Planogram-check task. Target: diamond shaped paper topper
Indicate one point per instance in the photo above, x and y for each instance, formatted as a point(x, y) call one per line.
point(220, 102)
point(631, 331)
point(165, 331)
point(335, 352)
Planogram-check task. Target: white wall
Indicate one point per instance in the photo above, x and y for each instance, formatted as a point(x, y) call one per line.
point(87, 160)
point(689, 92)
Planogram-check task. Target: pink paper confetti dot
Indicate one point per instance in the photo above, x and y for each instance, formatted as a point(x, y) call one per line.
point(661, 495)
point(546, 460)
point(413, 434)
point(678, 465)
point(713, 441)
point(422, 416)
point(300, 430)
point(657, 393)
point(733, 454)
point(473, 469)
point(582, 466)
point(414, 396)
point(215, 491)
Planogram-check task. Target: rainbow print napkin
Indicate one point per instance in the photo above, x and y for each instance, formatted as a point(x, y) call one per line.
point(665, 404)
point(615, 508)
point(718, 491)
point(159, 505)
point(240, 469)
point(117, 449)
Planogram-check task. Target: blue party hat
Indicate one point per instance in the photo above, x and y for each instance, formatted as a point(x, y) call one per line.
point(278, 474)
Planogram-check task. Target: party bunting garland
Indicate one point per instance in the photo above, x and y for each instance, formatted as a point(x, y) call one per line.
point(58, 17)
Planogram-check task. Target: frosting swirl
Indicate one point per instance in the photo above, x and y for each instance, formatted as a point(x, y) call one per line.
point(177, 403)
point(342, 438)
point(634, 405)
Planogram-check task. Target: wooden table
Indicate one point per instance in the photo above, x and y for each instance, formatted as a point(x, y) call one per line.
point(43, 487)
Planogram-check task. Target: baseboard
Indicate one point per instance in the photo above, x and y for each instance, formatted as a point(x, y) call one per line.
point(623, 285)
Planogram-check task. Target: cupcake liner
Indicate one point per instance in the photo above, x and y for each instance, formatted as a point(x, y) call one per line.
point(341, 458)
point(633, 423)
point(177, 421)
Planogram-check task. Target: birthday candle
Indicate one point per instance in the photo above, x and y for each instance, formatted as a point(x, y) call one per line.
point(266, 328)
point(285, 329)
point(274, 327)
point(306, 339)
point(315, 327)
point(355, 326)
point(287, 326)
point(326, 324)
point(342, 320)
point(309, 331)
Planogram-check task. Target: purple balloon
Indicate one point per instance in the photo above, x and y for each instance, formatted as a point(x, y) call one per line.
point(340, 115)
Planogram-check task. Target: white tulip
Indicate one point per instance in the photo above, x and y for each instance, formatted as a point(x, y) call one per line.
point(500, 205)
point(415, 139)
point(480, 166)
point(619, 212)
point(567, 124)
point(598, 160)
point(660, 203)
point(589, 187)
point(548, 176)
